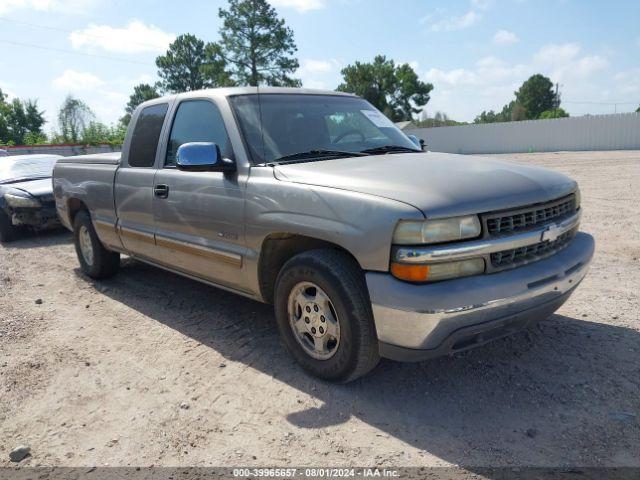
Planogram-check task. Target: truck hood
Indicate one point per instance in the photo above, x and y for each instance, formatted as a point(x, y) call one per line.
point(438, 184)
point(37, 188)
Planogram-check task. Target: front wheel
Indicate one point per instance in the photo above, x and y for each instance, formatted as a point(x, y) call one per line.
point(324, 315)
point(95, 260)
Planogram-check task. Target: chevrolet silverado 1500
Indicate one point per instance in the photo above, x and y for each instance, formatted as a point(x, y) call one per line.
point(367, 246)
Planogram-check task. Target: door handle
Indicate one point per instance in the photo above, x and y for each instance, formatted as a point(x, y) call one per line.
point(161, 191)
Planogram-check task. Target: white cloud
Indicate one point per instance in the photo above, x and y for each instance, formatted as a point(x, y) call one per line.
point(560, 62)
point(455, 77)
point(457, 23)
point(491, 81)
point(628, 83)
point(6, 88)
point(320, 74)
point(310, 66)
point(488, 71)
point(39, 5)
point(300, 5)
point(504, 37)
point(481, 4)
point(589, 65)
point(136, 37)
point(553, 54)
point(106, 96)
point(72, 80)
point(563, 62)
point(65, 6)
point(461, 22)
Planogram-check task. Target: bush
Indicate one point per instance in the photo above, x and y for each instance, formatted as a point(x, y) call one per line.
point(555, 113)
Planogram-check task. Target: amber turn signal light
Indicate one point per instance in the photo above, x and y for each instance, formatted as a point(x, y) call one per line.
point(410, 273)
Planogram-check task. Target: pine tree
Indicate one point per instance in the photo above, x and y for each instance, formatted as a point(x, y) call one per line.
point(258, 46)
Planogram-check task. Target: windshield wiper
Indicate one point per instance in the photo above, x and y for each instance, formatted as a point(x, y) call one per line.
point(390, 149)
point(316, 154)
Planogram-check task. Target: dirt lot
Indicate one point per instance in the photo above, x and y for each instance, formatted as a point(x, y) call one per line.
point(152, 369)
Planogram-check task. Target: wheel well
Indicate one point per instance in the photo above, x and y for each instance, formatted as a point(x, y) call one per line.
point(74, 206)
point(277, 249)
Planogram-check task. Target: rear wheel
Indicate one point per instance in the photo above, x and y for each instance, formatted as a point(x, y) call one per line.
point(324, 315)
point(95, 260)
point(7, 230)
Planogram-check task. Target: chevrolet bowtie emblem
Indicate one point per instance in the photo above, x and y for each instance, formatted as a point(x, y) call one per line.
point(551, 234)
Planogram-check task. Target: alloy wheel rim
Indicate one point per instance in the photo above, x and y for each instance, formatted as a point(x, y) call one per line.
point(86, 246)
point(313, 320)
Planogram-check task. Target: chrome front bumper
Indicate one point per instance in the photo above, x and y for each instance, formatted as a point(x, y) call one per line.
point(425, 318)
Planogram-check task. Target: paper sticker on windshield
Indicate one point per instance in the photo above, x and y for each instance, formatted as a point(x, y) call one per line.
point(378, 119)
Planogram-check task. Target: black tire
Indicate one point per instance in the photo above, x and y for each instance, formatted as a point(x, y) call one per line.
point(7, 230)
point(105, 263)
point(341, 278)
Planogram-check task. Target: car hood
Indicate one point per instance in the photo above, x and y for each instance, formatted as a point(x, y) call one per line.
point(37, 188)
point(438, 184)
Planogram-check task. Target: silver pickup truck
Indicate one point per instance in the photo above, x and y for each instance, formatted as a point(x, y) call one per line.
point(315, 202)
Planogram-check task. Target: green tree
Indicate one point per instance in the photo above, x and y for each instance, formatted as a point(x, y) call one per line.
point(73, 119)
point(440, 119)
point(191, 64)
point(555, 113)
point(537, 95)
point(257, 44)
point(141, 93)
point(518, 112)
point(35, 117)
point(35, 138)
point(488, 117)
point(95, 133)
point(4, 122)
point(19, 118)
point(98, 133)
point(638, 110)
point(393, 89)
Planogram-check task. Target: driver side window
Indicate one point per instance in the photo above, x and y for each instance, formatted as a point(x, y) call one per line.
point(197, 121)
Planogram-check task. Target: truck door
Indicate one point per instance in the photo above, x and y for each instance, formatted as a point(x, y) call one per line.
point(199, 215)
point(134, 182)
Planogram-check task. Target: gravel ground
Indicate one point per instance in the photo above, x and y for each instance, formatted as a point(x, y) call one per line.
point(149, 368)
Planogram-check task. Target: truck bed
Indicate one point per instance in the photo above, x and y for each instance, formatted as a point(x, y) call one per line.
point(87, 181)
point(111, 158)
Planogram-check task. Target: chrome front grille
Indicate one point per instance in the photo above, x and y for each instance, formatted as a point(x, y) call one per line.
point(522, 219)
point(525, 235)
point(516, 257)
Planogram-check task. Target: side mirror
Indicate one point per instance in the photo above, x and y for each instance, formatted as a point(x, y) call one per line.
point(418, 142)
point(203, 157)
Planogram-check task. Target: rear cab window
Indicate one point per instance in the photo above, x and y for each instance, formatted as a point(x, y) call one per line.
point(146, 135)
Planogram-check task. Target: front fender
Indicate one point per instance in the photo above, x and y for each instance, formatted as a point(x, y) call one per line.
point(360, 223)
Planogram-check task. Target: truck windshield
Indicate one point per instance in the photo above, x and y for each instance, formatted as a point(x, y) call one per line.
point(290, 127)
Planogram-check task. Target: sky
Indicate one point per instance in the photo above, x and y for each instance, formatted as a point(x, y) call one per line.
point(476, 53)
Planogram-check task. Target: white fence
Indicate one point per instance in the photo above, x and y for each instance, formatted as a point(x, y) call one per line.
point(598, 132)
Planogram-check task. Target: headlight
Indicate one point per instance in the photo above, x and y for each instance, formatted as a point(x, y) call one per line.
point(19, 201)
point(578, 197)
point(411, 232)
point(437, 271)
